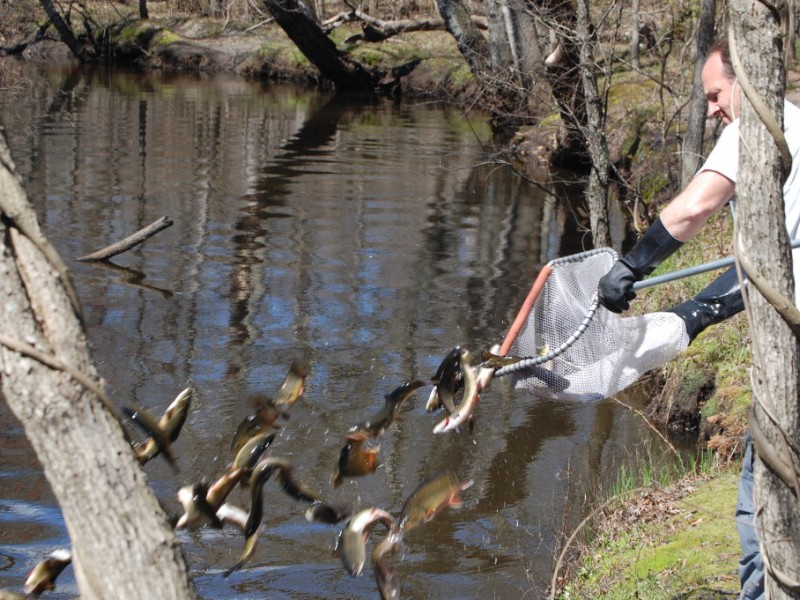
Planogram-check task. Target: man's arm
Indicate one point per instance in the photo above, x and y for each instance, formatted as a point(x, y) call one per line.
point(682, 218)
point(686, 214)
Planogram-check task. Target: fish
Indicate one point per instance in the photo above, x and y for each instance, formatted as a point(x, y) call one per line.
point(149, 425)
point(264, 418)
point(355, 459)
point(202, 502)
point(385, 574)
point(171, 423)
point(233, 515)
point(293, 385)
point(498, 361)
point(219, 491)
point(252, 451)
point(352, 542)
point(430, 498)
point(470, 398)
point(43, 576)
point(196, 508)
point(322, 512)
point(446, 382)
point(262, 472)
point(376, 425)
point(250, 543)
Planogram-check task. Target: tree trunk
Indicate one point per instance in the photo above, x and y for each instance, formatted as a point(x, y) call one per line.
point(597, 191)
point(143, 14)
point(309, 38)
point(692, 150)
point(776, 351)
point(490, 62)
point(471, 43)
point(564, 75)
point(122, 544)
point(499, 41)
point(65, 32)
point(635, 34)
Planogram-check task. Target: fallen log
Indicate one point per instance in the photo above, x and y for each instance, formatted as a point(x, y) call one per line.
point(377, 30)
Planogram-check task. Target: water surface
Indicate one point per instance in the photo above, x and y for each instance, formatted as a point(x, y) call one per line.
point(365, 237)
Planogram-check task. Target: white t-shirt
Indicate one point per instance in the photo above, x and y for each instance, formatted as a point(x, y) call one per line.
point(724, 159)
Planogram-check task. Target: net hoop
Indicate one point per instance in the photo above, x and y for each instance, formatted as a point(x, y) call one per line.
point(532, 361)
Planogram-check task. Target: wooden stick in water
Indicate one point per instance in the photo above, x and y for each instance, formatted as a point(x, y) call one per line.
point(129, 242)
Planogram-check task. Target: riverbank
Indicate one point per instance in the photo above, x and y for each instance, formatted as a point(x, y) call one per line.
point(677, 541)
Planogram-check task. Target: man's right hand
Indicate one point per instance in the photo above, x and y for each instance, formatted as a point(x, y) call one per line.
point(615, 290)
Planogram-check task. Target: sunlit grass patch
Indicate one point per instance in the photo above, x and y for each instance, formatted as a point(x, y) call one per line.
point(691, 551)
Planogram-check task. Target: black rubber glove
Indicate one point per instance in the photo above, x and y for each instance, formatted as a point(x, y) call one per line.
point(615, 290)
point(719, 300)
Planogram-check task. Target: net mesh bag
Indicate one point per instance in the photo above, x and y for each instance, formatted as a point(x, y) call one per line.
point(575, 349)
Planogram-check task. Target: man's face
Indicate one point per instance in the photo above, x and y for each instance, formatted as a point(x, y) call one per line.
point(722, 93)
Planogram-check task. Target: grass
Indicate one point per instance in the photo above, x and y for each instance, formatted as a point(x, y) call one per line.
point(689, 550)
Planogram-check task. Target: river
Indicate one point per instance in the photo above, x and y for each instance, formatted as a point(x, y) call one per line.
point(365, 237)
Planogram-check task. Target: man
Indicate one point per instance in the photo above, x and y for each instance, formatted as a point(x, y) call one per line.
point(679, 221)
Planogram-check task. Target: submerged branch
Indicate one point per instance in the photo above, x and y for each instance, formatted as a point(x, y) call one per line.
point(129, 242)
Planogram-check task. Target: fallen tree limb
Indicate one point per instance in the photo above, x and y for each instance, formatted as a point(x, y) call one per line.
point(129, 242)
point(377, 30)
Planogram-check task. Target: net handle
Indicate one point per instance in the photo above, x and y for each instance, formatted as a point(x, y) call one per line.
point(525, 309)
point(536, 290)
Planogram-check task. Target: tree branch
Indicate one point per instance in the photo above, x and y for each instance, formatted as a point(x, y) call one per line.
point(129, 242)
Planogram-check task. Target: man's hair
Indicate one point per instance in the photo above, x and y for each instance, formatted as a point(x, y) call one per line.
point(721, 47)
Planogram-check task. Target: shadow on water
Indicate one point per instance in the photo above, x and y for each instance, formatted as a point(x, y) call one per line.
point(365, 238)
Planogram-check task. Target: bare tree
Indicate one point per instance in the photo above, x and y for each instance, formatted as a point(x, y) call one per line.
point(597, 190)
point(65, 31)
point(122, 544)
point(564, 76)
point(695, 123)
point(635, 34)
point(302, 28)
point(763, 248)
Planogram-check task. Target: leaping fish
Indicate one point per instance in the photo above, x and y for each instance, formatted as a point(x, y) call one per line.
point(385, 574)
point(393, 402)
point(43, 576)
point(293, 385)
point(170, 424)
point(470, 397)
point(355, 458)
point(352, 542)
point(259, 422)
point(430, 498)
point(150, 425)
point(447, 381)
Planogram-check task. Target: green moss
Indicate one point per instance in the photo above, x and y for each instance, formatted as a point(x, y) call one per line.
point(694, 550)
point(166, 37)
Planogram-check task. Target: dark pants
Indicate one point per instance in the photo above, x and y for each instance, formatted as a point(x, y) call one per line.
point(751, 568)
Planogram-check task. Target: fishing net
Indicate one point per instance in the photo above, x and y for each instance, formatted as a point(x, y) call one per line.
point(576, 349)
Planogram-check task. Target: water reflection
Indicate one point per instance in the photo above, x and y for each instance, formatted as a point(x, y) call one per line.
point(363, 237)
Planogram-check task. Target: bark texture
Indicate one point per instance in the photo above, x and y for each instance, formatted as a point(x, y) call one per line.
point(564, 76)
point(122, 544)
point(597, 190)
point(65, 32)
point(302, 28)
point(692, 151)
point(765, 243)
